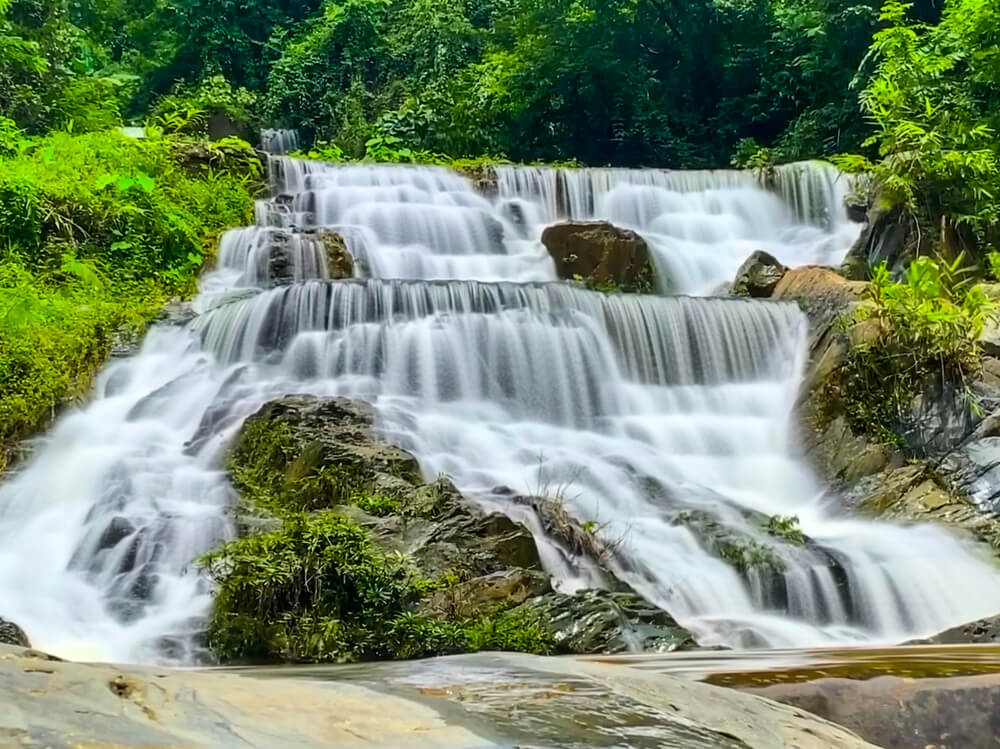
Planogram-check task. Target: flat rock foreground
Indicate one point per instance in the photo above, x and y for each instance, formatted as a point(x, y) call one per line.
point(468, 702)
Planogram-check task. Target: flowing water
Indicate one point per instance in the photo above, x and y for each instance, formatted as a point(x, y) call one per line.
point(647, 416)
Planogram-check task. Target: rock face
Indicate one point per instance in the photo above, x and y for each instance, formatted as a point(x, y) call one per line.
point(599, 621)
point(601, 255)
point(904, 713)
point(758, 276)
point(316, 244)
point(467, 580)
point(11, 634)
point(943, 464)
point(473, 701)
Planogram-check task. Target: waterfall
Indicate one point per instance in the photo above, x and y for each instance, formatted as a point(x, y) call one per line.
point(664, 421)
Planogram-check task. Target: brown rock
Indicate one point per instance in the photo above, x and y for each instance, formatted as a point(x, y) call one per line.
point(600, 254)
point(759, 275)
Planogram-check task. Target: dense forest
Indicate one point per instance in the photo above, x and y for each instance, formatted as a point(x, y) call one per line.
point(906, 92)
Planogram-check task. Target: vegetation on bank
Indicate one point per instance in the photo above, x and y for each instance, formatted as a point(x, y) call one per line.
point(97, 231)
point(920, 334)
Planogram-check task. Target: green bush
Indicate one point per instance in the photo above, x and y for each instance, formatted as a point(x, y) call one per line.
point(925, 328)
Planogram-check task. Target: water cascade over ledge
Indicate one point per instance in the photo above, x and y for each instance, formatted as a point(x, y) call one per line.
point(664, 421)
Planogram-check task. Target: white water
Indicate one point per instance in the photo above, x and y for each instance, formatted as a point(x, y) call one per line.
point(634, 409)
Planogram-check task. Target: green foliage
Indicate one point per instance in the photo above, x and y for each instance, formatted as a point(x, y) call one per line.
point(319, 590)
point(933, 103)
point(96, 231)
point(189, 108)
point(925, 328)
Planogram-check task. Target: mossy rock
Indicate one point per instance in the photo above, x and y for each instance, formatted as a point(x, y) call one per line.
point(599, 621)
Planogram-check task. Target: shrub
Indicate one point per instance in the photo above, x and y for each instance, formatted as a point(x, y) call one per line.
point(96, 231)
point(926, 329)
point(320, 590)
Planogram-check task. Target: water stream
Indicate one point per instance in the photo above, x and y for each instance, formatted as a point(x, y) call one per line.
point(644, 415)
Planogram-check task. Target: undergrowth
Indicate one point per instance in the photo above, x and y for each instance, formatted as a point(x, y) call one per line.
point(926, 333)
point(96, 232)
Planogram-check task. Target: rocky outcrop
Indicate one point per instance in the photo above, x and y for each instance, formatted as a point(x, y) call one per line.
point(487, 700)
point(453, 578)
point(959, 712)
point(599, 621)
point(758, 276)
point(600, 255)
point(11, 634)
point(885, 239)
point(982, 632)
point(314, 247)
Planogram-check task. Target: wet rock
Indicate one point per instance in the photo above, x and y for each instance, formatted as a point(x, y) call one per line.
point(11, 634)
point(984, 631)
point(498, 590)
point(483, 178)
point(600, 255)
point(758, 276)
point(177, 312)
point(598, 621)
point(903, 713)
point(470, 701)
point(339, 263)
point(890, 237)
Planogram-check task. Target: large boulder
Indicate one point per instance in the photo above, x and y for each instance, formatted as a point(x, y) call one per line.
point(903, 712)
point(599, 621)
point(600, 255)
point(758, 276)
point(11, 634)
point(982, 632)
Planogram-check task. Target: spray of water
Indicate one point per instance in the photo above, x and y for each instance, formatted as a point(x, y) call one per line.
point(653, 417)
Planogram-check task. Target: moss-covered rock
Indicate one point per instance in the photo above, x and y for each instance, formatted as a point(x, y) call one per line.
point(599, 621)
point(346, 553)
point(11, 634)
point(759, 275)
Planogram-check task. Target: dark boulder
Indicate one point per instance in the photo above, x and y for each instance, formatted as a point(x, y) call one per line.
point(600, 255)
point(11, 634)
point(599, 621)
point(759, 275)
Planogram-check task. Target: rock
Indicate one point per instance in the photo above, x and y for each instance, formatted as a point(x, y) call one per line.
point(984, 631)
point(11, 634)
point(287, 248)
point(469, 701)
point(890, 237)
point(601, 255)
point(339, 262)
point(903, 713)
point(483, 178)
point(222, 125)
point(598, 621)
point(499, 589)
point(758, 276)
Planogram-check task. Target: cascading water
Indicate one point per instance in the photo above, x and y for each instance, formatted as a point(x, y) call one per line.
point(665, 421)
